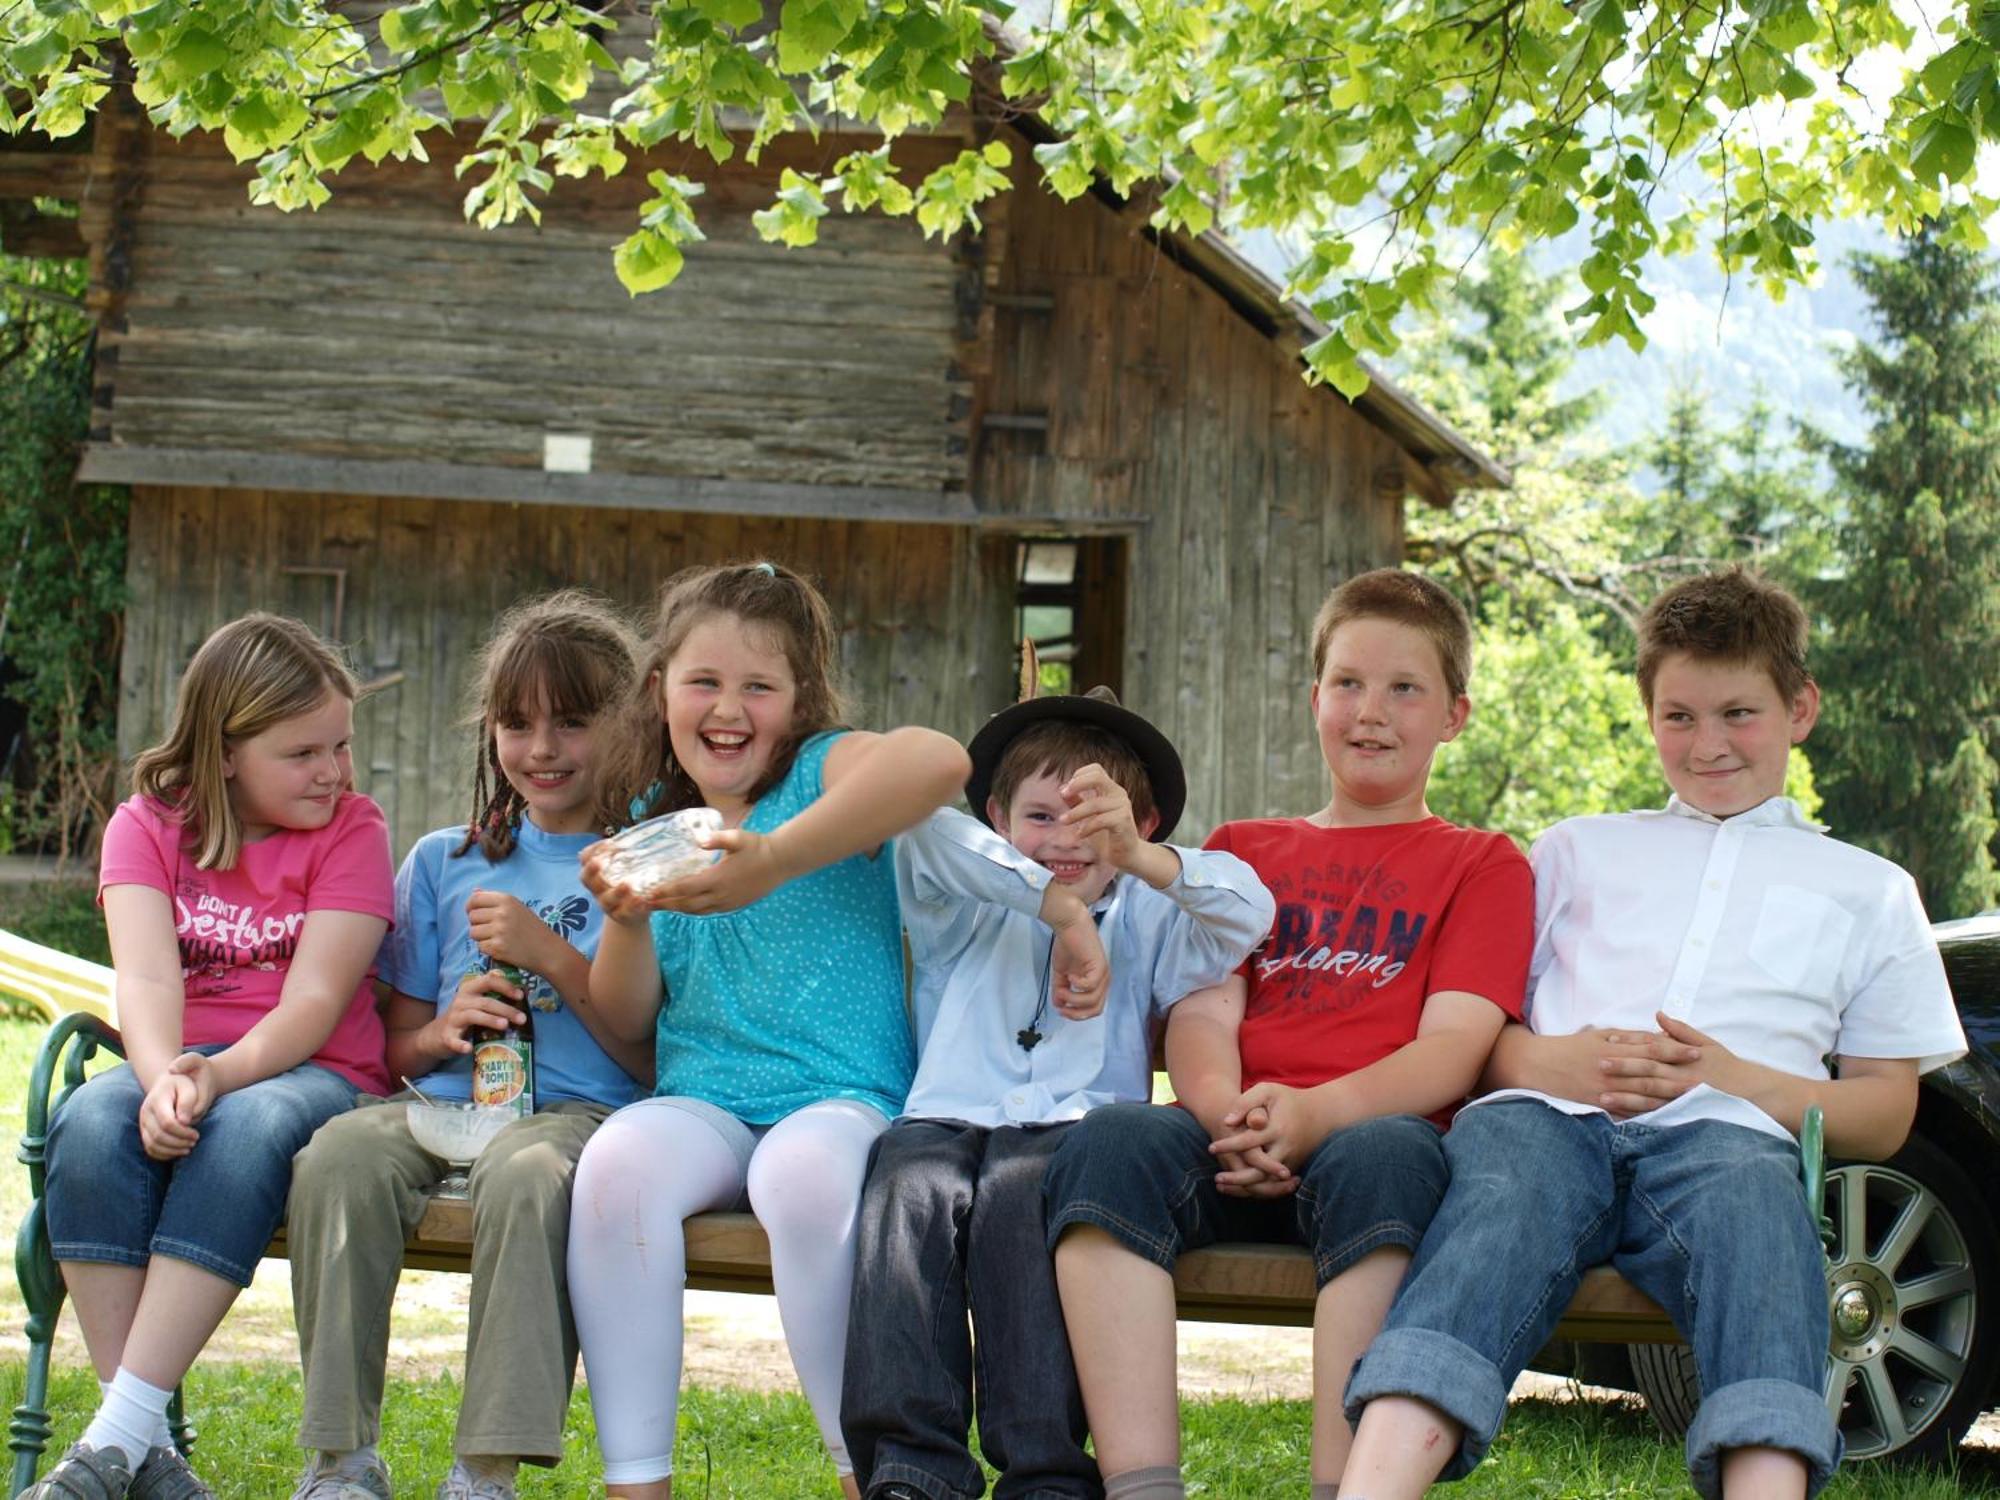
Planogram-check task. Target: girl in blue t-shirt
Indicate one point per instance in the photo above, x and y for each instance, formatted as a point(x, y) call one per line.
point(503, 889)
point(772, 983)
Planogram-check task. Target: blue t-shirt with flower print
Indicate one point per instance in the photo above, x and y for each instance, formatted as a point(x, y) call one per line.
point(797, 997)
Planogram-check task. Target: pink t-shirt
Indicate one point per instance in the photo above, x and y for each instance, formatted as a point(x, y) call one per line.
point(239, 927)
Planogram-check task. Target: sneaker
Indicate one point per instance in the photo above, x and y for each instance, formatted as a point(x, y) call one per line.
point(460, 1485)
point(322, 1481)
point(84, 1473)
point(165, 1475)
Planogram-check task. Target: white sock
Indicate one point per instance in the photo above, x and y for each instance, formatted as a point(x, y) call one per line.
point(131, 1412)
point(161, 1436)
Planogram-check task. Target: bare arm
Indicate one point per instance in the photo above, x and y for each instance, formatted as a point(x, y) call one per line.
point(148, 990)
point(1868, 1109)
point(873, 786)
point(1430, 1072)
point(1204, 1061)
point(333, 954)
point(1581, 1066)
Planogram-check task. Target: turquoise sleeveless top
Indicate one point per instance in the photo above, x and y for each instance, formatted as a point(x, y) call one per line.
point(797, 997)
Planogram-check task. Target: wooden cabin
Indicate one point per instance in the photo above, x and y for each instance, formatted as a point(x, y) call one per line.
point(391, 423)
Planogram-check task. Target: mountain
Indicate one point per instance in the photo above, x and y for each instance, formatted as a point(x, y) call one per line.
point(1728, 338)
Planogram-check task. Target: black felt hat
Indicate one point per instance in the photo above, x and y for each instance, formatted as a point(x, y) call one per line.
point(1101, 708)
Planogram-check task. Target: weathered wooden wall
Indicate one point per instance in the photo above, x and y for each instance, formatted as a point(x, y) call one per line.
point(1246, 494)
point(924, 610)
point(384, 328)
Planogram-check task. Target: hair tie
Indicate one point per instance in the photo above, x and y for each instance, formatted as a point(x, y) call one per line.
point(766, 569)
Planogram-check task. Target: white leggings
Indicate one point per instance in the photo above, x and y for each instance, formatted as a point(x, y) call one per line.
point(648, 1168)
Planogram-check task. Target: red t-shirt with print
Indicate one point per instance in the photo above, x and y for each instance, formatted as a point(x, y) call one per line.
point(1372, 922)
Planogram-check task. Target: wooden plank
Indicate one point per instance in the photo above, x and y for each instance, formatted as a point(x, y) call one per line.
point(118, 464)
point(146, 614)
point(1156, 616)
point(1203, 568)
point(1271, 1284)
point(1244, 789)
point(1296, 777)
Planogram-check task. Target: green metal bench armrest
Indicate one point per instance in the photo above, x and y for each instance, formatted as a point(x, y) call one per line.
point(72, 1041)
point(59, 1068)
point(1812, 1167)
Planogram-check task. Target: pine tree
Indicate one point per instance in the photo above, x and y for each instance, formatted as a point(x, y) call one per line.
point(1910, 652)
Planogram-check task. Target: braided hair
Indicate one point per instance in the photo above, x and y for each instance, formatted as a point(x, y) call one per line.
point(568, 653)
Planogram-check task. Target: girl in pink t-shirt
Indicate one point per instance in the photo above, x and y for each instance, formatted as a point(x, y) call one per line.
point(246, 888)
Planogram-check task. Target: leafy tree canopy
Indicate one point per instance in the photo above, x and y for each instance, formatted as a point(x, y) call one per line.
point(1393, 135)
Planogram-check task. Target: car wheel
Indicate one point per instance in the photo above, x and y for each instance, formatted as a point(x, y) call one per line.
point(1911, 1279)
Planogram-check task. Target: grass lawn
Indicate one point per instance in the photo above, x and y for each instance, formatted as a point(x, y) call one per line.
point(752, 1445)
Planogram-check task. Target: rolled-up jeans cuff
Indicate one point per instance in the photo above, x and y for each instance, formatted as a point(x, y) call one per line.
point(922, 1481)
point(1762, 1414)
point(1437, 1369)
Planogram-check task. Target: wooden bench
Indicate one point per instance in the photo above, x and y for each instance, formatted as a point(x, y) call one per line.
point(1256, 1284)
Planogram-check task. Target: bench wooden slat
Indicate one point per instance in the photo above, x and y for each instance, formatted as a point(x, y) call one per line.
point(1268, 1284)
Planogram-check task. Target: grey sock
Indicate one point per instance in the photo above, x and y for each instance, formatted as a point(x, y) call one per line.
point(1163, 1483)
point(1325, 1490)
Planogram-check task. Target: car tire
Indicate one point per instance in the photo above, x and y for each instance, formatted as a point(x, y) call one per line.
point(1914, 1279)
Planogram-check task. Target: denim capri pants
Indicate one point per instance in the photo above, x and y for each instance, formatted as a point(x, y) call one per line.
point(1144, 1175)
point(216, 1207)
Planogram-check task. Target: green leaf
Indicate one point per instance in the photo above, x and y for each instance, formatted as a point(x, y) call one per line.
point(647, 261)
point(398, 35)
point(1333, 359)
point(737, 13)
point(196, 54)
point(261, 123)
point(808, 31)
point(1943, 147)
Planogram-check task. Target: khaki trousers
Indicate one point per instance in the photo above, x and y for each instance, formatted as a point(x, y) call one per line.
point(357, 1191)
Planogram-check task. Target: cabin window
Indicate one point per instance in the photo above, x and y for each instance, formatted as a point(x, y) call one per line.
point(1069, 599)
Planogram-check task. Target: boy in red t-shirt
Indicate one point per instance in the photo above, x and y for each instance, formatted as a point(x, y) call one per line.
point(1314, 1082)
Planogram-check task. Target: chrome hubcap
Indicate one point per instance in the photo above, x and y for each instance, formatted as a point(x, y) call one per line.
point(1903, 1299)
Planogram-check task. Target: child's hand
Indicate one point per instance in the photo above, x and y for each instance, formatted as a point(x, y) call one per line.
point(1636, 1071)
point(1287, 1136)
point(749, 870)
point(1101, 812)
point(198, 1068)
point(165, 1132)
point(1238, 1179)
point(1079, 971)
point(506, 930)
point(480, 1000)
point(621, 902)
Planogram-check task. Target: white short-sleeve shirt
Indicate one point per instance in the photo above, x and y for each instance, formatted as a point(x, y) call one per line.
point(1786, 946)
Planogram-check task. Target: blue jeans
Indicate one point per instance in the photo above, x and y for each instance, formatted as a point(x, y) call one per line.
point(951, 1223)
point(216, 1207)
point(1144, 1175)
point(1708, 1219)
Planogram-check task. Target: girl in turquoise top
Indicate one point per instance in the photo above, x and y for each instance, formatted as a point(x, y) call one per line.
point(772, 983)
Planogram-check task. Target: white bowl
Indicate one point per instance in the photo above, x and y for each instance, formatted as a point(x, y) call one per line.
point(457, 1129)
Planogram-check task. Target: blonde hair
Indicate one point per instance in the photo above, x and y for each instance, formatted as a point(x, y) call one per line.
point(768, 598)
point(249, 675)
point(569, 650)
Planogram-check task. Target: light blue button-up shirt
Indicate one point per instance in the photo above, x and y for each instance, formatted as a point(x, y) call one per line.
point(971, 905)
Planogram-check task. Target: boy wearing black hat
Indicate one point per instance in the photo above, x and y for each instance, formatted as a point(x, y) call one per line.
point(1049, 936)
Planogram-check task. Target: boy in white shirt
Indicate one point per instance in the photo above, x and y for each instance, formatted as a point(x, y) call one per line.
point(1693, 968)
point(1012, 927)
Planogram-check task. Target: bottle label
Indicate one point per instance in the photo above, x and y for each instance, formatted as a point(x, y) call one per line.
point(503, 1073)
